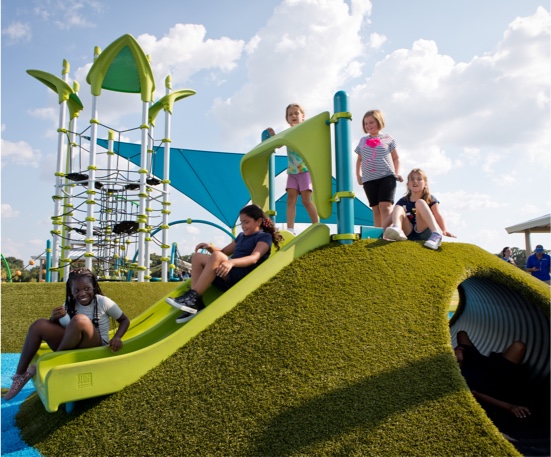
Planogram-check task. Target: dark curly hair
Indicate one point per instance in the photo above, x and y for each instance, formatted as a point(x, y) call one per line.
point(268, 226)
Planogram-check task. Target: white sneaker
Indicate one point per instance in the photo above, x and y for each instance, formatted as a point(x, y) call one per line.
point(395, 233)
point(434, 241)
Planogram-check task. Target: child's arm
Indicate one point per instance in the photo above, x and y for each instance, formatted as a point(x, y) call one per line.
point(228, 250)
point(519, 411)
point(396, 161)
point(440, 220)
point(259, 251)
point(359, 169)
point(115, 344)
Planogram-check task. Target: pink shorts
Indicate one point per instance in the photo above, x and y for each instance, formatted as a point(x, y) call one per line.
point(299, 181)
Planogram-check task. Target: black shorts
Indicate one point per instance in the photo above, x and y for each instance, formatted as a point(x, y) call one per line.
point(380, 190)
point(235, 275)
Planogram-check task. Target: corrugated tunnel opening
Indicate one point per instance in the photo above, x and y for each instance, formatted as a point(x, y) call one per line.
point(494, 316)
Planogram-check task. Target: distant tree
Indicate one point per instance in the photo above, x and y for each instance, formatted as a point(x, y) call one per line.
point(17, 265)
point(519, 256)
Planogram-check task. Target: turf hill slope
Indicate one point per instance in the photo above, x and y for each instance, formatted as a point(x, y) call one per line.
point(346, 351)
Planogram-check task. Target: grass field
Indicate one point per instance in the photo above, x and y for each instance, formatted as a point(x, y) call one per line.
point(344, 352)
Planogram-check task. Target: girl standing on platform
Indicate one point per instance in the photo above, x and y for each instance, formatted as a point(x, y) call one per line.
point(299, 181)
point(377, 166)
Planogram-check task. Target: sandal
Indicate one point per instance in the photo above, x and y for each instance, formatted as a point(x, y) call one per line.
point(19, 380)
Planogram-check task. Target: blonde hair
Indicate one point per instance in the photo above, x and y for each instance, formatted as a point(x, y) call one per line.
point(294, 105)
point(377, 115)
point(426, 192)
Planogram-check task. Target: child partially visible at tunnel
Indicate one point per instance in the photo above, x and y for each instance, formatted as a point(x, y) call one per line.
point(417, 216)
point(497, 380)
point(247, 251)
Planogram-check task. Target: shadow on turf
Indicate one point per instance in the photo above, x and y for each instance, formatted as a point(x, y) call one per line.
point(361, 405)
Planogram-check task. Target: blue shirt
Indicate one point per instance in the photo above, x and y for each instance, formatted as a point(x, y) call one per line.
point(542, 264)
point(409, 208)
point(244, 246)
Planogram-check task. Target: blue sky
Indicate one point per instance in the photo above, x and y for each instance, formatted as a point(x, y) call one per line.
point(464, 87)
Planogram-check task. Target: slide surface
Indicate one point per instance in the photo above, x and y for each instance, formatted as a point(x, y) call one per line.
point(153, 336)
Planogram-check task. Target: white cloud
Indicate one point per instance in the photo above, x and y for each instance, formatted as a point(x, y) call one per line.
point(19, 153)
point(376, 40)
point(305, 53)
point(185, 51)
point(8, 212)
point(68, 15)
point(17, 32)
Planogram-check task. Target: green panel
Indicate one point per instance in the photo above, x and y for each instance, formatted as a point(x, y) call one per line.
point(122, 67)
point(123, 75)
point(311, 140)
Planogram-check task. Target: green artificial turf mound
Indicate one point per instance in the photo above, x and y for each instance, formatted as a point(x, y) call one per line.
point(346, 351)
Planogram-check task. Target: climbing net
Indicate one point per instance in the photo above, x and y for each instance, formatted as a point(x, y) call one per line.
point(112, 204)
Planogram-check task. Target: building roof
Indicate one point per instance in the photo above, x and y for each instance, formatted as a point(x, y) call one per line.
point(541, 224)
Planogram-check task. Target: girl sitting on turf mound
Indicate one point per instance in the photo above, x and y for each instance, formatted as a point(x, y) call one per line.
point(248, 250)
point(416, 216)
point(82, 322)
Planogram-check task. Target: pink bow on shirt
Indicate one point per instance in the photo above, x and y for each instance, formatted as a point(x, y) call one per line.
point(373, 143)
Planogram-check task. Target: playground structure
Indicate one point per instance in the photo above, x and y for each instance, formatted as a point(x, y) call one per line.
point(109, 207)
point(113, 206)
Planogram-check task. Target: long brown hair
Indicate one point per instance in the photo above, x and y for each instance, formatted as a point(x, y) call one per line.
point(256, 213)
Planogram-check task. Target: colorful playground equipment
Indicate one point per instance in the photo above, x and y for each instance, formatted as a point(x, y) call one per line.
point(107, 207)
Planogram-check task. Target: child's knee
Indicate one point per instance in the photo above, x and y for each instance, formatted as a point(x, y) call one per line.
point(519, 347)
point(421, 204)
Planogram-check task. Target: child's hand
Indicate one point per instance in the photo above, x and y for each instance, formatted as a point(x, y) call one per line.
point(224, 268)
point(522, 412)
point(451, 235)
point(58, 313)
point(399, 178)
point(115, 344)
point(207, 247)
point(271, 131)
point(359, 178)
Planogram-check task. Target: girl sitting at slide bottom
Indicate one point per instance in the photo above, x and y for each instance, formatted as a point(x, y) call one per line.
point(247, 251)
point(416, 216)
point(82, 322)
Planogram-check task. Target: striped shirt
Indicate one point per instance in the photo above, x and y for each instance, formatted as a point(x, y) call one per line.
point(376, 154)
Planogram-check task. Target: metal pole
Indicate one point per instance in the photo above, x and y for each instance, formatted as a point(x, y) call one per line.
point(345, 206)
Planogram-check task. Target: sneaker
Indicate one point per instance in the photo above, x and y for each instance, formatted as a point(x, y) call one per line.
point(193, 310)
point(434, 241)
point(178, 302)
point(191, 303)
point(19, 381)
point(395, 233)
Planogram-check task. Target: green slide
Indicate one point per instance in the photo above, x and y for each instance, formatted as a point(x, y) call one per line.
point(153, 336)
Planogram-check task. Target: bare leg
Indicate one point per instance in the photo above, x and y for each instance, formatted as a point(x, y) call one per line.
point(399, 219)
point(205, 274)
point(292, 197)
point(79, 334)
point(425, 218)
point(40, 330)
point(377, 222)
point(515, 352)
point(463, 339)
point(385, 208)
point(307, 203)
